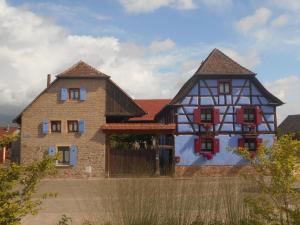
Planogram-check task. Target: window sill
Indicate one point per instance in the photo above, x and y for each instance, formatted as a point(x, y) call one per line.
point(63, 165)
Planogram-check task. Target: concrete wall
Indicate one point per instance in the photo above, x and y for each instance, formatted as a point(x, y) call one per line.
point(91, 144)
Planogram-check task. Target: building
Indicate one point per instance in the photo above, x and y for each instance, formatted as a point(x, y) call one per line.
point(291, 125)
point(7, 152)
point(221, 106)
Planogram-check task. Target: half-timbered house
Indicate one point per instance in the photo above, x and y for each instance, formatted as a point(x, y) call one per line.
point(221, 107)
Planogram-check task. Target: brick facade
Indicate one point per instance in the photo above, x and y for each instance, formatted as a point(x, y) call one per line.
point(91, 144)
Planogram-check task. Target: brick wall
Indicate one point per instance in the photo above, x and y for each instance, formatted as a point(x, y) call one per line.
point(91, 144)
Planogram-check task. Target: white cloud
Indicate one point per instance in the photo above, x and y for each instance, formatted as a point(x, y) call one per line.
point(138, 6)
point(144, 6)
point(161, 46)
point(287, 89)
point(258, 19)
point(280, 21)
point(32, 46)
point(249, 60)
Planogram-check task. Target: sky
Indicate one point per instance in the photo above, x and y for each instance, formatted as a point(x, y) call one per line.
point(148, 47)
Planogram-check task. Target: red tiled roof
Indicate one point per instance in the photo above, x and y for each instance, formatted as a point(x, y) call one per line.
point(147, 128)
point(151, 107)
point(217, 63)
point(4, 132)
point(81, 69)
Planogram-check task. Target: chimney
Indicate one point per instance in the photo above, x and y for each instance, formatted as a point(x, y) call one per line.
point(48, 80)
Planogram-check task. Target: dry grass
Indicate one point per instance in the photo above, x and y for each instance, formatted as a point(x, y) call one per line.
point(175, 202)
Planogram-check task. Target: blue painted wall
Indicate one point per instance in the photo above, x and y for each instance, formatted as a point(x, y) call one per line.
point(240, 96)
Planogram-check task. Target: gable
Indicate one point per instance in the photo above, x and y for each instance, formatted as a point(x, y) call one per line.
point(118, 103)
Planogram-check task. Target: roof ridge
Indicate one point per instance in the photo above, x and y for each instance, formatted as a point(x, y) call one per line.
point(241, 70)
point(68, 72)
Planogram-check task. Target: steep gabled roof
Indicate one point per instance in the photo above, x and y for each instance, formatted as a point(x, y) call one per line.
point(291, 124)
point(151, 107)
point(217, 63)
point(81, 70)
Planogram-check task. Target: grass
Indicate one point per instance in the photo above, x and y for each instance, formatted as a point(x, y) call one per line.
point(176, 201)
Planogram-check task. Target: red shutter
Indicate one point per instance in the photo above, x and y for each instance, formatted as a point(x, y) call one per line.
point(197, 145)
point(197, 116)
point(241, 143)
point(216, 145)
point(258, 115)
point(240, 116)
point(216, 116)
point(258, 142)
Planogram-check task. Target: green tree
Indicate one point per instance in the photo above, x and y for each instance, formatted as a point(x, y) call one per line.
point(275, 173)
point(17, 187)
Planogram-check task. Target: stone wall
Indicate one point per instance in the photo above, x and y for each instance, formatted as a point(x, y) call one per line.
point(48, 106)
point(211, 171)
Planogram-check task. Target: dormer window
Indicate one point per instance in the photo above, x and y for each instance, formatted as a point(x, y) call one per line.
point(224, 87)
point(74, 93)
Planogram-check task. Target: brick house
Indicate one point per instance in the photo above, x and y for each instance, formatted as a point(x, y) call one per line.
point(222, 105)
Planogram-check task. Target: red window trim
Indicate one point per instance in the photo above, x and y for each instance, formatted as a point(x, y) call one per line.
point(258, 142)
point(215, 144)
point(215, 115)
point(257, 115)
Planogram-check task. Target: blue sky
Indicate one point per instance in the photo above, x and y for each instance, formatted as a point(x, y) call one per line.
point(161, 41)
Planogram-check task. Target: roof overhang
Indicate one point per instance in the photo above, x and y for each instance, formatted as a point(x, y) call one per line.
point(138, 128)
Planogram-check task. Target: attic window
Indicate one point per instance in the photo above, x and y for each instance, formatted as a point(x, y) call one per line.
point(224, 87)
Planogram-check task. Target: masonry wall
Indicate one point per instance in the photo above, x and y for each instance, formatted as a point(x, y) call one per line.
point(91, 144)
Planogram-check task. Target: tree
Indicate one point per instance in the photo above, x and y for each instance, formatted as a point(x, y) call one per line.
point(17, 187)
point(275, 173)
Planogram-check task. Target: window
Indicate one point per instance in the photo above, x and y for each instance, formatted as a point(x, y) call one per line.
point(250, 144)
point(206, 115)
point(207, 145)
point(55, 126)
point(72, 126)
point(74, 93)
point(249, 115)
point(63, 155)
point(224, 87)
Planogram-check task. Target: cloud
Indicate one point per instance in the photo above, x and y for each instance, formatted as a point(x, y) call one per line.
point(258, 19)
point(286, 89)
point(32, 46)
point(249, 60)
point(280, 21)
point(161, 46)
point(144, 6)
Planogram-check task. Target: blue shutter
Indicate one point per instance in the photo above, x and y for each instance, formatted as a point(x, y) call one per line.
point(73, 155)
point(81, 126)
point(45, 127)
point(51, 150)
point(64, 94)
point(82, 94)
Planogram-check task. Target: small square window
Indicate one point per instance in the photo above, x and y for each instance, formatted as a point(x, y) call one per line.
point(206, 115)
point(63, 155)
point(250, 144)
point(249, 115)
point(207, 145)
point(72, 126)
point(74, 93)
point(224, 87)
point(55, 126)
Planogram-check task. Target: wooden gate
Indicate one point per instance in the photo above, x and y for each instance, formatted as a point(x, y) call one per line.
point(124, 162)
